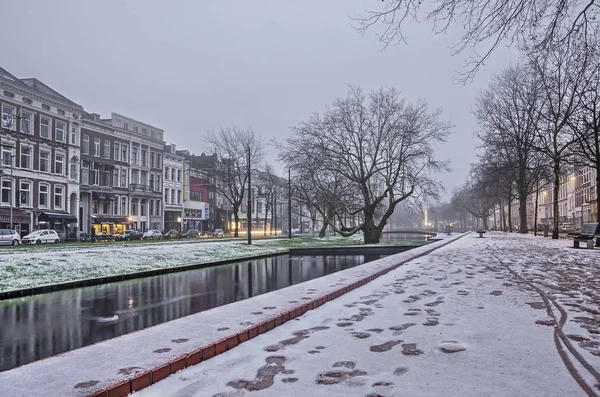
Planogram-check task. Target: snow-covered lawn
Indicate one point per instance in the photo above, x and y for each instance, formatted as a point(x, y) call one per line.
point(31, 266)
point(457, 322)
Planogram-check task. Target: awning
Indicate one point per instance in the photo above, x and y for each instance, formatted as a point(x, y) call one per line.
point(19, 216)
point(57, 216)
point(99, 196)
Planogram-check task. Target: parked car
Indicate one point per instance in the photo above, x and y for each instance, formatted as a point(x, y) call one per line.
point(172, 233)
point(41, 237)
point(566, 228)
point(129, 235)
point(10, 237)
point(218, 233)
point(191, 233)
point(82, 237)
point(152, 234)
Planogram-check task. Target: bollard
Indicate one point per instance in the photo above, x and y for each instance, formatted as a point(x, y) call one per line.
point(546, 229)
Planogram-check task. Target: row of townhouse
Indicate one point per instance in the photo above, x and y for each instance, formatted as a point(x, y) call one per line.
point(577, 202)
point(66, 169)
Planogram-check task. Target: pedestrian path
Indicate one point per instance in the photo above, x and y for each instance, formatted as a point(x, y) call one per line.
point(489, 316)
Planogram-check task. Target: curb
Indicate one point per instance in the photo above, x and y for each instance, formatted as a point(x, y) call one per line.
point(148, 378)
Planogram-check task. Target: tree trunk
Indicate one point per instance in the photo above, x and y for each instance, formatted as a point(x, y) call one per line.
point(484, 220)
point(495, 220)
point(555, 191)
point(597, 195)
point(371, 233)
point(324, 227)
point(523, 227)
point(535, 215)
point(236, 217)
point(502, 217)
point(510, 223)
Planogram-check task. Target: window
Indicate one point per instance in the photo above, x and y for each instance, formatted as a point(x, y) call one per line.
point(172, 174)
point(26, 121)
point(166, 195)
point(123, 177)
point(157, 207)
point(60, 111)
point(123, 205)
point(126, 126)
point(97, 147)
point(157, 185)
point(95, 177)
point(45, 125)
point(45, 107)
point(134, 207)
point(151, 208)
point(143, 207)
point(259, 207)
point(7, 155)
point(44, 161)
point(134, 157)
point(116, 177)
point(178, 175)
point(152, 182)
point(27, 100)
point(59, 164)
point(85, 173)
point(73, 172)
point(152, 159)
point(8, 120)
point(25, 194)
point(144, 131)
point(144, 157)
point(43, 200)
point(179, 197)
point(172, 196)
point(106, 149)
point(135, 128)
point(115, 206)
point(6, 189)
point(73, 135)
point(25, 157)
point(105, 178)
point(117, 150)
point(85, 144)
point(124, 153)
point(195, 196)
point(60, 131)
point(158, 160)
point(9, 94)
point(58, 197)
point(166, 173)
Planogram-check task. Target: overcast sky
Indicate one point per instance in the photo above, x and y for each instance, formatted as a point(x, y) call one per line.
point(189, 65)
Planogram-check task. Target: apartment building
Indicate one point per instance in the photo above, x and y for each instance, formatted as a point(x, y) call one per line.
point(39, 135)
point(144, 155)
point(173, 185)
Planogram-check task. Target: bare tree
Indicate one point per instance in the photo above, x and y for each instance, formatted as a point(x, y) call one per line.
point(507, 113)
point(487, 23)
point(234, 148)
point(268, 182)
point(586, 121)
point(379, 148)
point(560, 72)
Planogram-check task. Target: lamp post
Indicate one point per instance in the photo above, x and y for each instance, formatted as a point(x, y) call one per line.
point(249, 201)
point(289, 203)
point(179, 222)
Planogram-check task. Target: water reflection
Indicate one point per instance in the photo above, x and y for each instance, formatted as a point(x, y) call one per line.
point(36, 327)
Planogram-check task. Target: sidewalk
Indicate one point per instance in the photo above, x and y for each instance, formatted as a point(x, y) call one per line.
point(465, 320)
point(136, 360)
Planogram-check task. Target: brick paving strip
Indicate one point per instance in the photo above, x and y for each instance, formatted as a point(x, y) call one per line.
point(134, 361)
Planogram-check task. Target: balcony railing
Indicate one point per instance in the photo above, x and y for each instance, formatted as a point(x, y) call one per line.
point(136, 187)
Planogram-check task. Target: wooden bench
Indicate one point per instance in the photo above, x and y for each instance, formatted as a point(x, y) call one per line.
point(480, 233)
point(589, 231)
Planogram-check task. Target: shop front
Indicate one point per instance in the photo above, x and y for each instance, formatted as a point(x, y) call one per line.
point(109, 225)
point(20, 220)
point(63, 222)
point(195, 218)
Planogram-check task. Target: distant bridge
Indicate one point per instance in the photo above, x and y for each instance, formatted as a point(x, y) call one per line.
point(410, 231)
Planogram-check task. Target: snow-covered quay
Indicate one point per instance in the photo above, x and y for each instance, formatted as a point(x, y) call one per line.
point(506, 315)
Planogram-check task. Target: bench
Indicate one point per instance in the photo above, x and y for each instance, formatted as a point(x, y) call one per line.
point(589, 231)
point(480, 233)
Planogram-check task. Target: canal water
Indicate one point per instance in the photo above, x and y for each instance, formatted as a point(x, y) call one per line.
point(43, 325)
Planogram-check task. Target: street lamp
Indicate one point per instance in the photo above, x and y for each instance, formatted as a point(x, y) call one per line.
point(179, 221)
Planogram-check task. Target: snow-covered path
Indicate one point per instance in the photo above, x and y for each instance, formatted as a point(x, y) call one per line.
point(464, 320)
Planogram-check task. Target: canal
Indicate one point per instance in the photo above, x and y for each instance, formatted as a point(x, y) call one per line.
point(39, 326)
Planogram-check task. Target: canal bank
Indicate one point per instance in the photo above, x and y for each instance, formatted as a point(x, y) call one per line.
point(138, 359)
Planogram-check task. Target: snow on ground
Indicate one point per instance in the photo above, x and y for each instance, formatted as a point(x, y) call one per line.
point(86, 370)
point(41, 265)
point(456, 322)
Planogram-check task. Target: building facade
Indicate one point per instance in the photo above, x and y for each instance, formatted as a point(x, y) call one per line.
point(196, 208)
point(39, 135)
point(173, 185)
